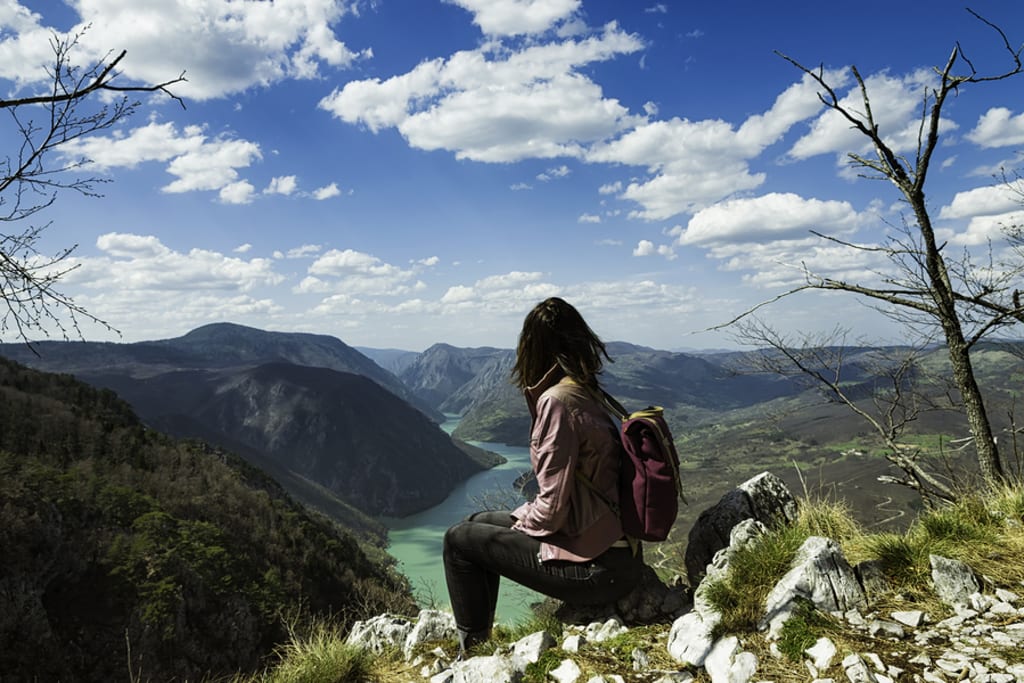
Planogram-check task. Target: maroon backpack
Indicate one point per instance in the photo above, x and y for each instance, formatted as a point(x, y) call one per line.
point(649, 482)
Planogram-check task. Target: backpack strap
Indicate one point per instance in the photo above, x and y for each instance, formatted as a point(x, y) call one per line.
point(613, 406)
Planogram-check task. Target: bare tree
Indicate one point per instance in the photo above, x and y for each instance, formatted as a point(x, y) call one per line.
point(927, 287)
point(78, 101)
point(886, 387)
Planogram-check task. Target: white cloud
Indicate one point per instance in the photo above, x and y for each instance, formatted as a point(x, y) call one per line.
point(225, 46)
point(696, 163)
point(326, 192)
point(496, 105)
point(457, 294)
point(516, 278)
point(305, 251)
point(429, 261)
point(552, 173)
point(982, 229)
point(354, 272)
point(242, 248)
point(285, 184)
point(142, 263)
point(588, 218)
point(895, 104)
point(517, 187)
point(770, 217)
point(644, 248)
point(611, 188)
point(515, 17)
point(981, 201)
point(998, 127)
point(213, 165)
point(240, 192)
point(199, 162)
point(648, 248)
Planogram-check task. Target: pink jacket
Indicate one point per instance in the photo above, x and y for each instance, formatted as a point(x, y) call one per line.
point(570, 431)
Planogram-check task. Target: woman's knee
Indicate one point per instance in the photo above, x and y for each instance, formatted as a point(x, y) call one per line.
point(454, 536)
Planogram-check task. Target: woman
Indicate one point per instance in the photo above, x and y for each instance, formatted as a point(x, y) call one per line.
point(567, 542)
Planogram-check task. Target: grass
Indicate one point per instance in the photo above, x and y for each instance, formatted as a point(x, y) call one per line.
point(986, 532)
point(321, 656)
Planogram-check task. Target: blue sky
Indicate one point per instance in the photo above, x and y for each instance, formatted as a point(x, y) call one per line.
point(404, 172)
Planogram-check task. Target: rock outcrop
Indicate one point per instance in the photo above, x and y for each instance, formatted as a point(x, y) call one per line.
point(980, 638)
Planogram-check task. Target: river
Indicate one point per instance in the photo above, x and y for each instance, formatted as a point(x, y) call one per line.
point(415, 541)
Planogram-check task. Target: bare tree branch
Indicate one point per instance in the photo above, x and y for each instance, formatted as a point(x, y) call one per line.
point(33, 175)
point(925, 287)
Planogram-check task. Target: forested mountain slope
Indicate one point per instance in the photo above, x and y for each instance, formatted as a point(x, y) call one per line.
point(115, 537)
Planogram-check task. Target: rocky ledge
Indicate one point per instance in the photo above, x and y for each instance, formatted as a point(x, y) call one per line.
point(979, 637)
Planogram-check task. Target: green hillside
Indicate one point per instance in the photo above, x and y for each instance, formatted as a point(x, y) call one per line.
point(126, 550)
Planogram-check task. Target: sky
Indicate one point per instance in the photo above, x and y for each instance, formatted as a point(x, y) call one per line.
point(398, 173)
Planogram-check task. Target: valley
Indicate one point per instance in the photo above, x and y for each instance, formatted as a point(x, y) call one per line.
point(280, 417)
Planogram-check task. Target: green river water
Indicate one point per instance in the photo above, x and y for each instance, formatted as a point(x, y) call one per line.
point(415, 541)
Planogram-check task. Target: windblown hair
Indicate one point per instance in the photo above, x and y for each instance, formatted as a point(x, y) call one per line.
point(555, 333)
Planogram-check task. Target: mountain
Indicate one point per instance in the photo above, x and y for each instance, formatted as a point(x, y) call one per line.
point(218, 345)
point(476, 384)
point(338, 429)
point(439, 374)
point(127, 554)
point(339, 440)
point(392, 360)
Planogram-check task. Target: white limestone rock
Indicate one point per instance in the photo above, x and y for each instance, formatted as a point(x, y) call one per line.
point(689, 640)
point(857, 670)
point(528, 650)
point(911, 618)
point(566, 672)
point(493, 669)
point(431, 625)
point(599, 632)
point(379, 633)
point(820, 574)
point(821, 653)
point(727, 663)
point(572, 643)
point(953, 580)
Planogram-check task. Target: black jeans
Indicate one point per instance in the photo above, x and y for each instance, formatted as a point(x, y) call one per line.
point(481, 549)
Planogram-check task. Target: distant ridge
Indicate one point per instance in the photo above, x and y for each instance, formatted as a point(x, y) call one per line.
point(314, 412)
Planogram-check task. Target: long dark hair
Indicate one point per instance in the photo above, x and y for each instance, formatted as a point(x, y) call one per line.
point(555, 333)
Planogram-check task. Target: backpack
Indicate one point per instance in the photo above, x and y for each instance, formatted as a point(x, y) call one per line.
point(650, 487)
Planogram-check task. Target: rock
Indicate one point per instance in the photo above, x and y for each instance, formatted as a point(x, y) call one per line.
point(572, 643)
point(689, 640)
point(953, 580)
point(650, 602)
point(883, 628)
point(493, 669)
point(529, 649)
point(566, 672)
point(911, 618)
point(641, 662)
point(871, 575)
point(820, 574)
point(728, 664)
point(764, 498)
point(821, 653)
point(600, 632)
point(431, 625)
point(857, 670)
point(382, 632)
point(676, 677)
